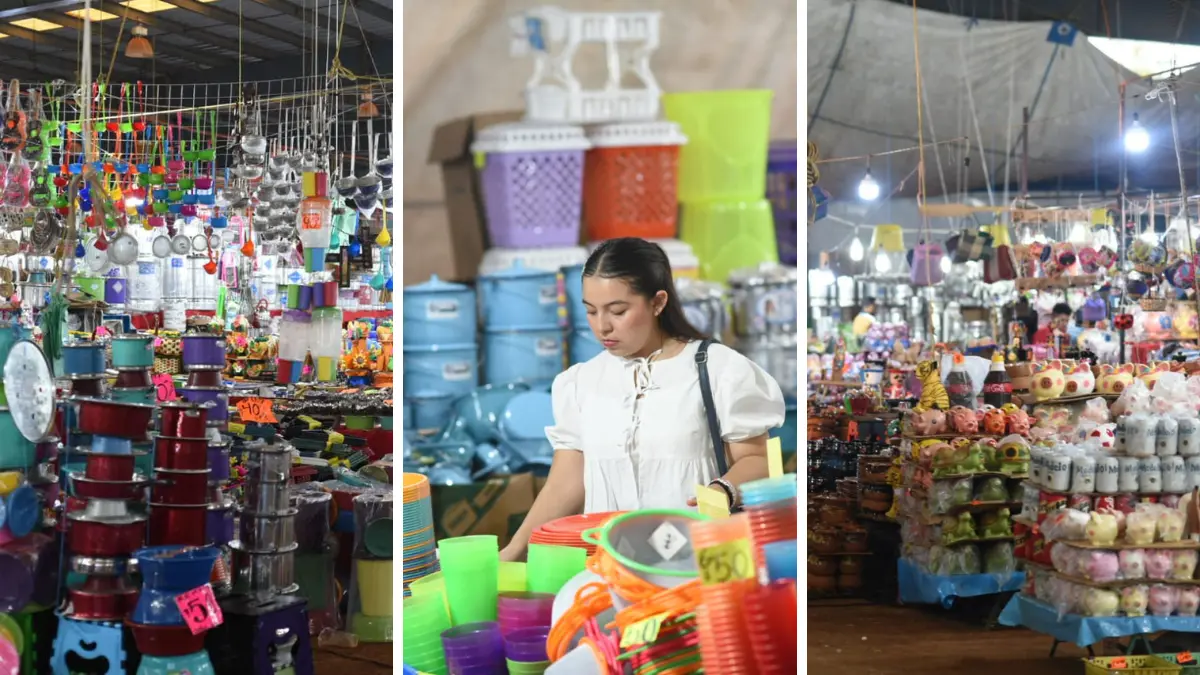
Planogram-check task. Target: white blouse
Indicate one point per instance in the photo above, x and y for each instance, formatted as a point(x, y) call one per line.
point(641, 425)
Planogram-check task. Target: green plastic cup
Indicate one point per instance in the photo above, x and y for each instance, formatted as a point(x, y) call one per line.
point(512, 577)
point(471, 569)
point(551, 567)
point(525, 668)
point(425, 618)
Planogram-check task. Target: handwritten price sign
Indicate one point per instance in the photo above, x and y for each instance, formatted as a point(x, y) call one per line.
point(200, 609)
point(643, 632)
point(257, 410)
point(165, 387)
point(727, 562)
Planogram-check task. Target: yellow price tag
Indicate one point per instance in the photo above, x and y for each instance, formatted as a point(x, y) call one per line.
point(1099, 216)
point(727, 562)
point(774, 457)
point(712, 502)
point(643, 632)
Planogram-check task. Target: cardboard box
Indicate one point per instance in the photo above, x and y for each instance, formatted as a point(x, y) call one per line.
point(496, 506)
point(458, 255)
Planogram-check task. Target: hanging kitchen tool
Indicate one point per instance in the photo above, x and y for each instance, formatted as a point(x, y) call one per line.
point(46, 233)
point(35, 145)
point(12, 139)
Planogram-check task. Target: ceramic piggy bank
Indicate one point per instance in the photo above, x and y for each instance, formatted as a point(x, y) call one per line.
point(1189, 601)
point(1170, 524)
point(995, 422)
point(1101, 529)
point(1114, 379)
point(1102, 566)
point(1151, 374)
point(1102, 437)
point(1080, 380)
point(929, 423)
point(1163, 600)
point(1183, 565)
point(1016, 420)
point(1014, 456)
point(1133, 563)
point(1158, 564)
point(1048, 380)
point(962, 420)
point(1140, 528)
point(1099, 602)
point(1134, 600)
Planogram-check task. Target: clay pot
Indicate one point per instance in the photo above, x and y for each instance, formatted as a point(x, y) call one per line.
point(850, 566)
point(873, 472)
point(819, 584)
point(824, 540)
point(855, 542)
point(822, 565)
point(876, 504)
point(834, 512)
point(849, 582)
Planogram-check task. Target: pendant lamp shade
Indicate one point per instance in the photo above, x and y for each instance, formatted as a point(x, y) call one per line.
point(139, 46)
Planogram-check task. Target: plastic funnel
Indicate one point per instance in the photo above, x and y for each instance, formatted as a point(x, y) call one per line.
point(550, 567)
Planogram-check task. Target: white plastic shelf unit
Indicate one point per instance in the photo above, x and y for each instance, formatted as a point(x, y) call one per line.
point(554, 35)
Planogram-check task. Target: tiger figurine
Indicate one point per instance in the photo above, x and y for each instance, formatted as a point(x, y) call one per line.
point(933, 392)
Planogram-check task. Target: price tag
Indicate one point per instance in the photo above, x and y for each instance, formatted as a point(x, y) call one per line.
point(731, 561)
point(200, 609)
point(257, 410)
point(1118, 663)
point(165, 386)
point(1184, 658)
point(712, 502)
point(643, 632)
point(774, 457)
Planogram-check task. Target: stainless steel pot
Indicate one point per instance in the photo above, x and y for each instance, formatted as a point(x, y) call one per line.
point(764, 300)
point(267, 497)
point(263, 574)
point(267, 532)
point(269, 466)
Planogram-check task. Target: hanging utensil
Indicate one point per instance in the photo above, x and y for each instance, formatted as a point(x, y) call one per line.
point(368, 185)
point(347, 186)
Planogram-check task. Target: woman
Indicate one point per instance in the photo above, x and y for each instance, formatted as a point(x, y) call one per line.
point(630, 430)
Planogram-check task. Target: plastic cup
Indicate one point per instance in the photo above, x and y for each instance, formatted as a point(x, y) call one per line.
point(521, 668)
point(474, 645)
point(771, 618)
point(706, 533)
point(426, 620)
point(512, 577)
point(471, 569)
point(768, 490)
point(527, 644)
point(780, 559)
point(551, 567)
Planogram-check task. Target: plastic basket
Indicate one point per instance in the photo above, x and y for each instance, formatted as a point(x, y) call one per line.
point(631, 181)
point(728, 134)
point(532, 183)
point(1193, 667)
point(781, 191)
point(1140, 664)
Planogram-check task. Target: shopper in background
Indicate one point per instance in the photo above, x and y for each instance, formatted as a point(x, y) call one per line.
point(865, 318)
point(630, 428)
point(1058, 327)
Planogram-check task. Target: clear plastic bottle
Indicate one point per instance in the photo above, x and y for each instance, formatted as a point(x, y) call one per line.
point(314, 221)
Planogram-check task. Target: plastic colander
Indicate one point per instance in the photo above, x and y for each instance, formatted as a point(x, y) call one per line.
point(653, 544)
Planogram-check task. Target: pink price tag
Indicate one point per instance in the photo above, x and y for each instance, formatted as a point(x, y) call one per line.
point(165, 387)
point(200, 609)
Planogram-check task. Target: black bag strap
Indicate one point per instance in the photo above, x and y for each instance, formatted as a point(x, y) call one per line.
point(710, 409)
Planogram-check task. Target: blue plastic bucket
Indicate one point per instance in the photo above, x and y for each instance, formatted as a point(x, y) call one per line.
point(573, 286)
point(431, 410)
point(438, 313)
point(584, 346)
point(446, 369)
point(531, 355)
point(519, 296)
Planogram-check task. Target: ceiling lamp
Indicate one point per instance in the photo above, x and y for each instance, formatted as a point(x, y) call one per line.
point(367, 107)
point(139, 46)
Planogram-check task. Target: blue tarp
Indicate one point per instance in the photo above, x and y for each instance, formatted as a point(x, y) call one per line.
point(919, 587)
point(1086, 630)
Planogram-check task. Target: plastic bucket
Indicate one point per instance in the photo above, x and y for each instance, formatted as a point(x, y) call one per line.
point(446, 369)
point(533, 355)
point(728, 139)
point(728, 235)
point(518, 296)
point(584, 345)
point(438, 312)
point(374, 586)
point(573, 288)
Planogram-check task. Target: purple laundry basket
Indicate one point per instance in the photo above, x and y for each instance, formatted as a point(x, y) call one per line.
point(781, 191)
point(532, 178)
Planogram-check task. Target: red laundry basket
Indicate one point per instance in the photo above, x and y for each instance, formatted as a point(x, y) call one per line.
point(630, 180)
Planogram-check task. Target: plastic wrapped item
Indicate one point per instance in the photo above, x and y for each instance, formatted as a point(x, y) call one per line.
point(1102, 529)
point(1101, 566)
point(1189, 601)
point(1163, 600)
point(1133, 563)
point(1169, 524)
point(1095, 411)
point(998, 559)
point(1158, 564)
point(992, 489)
point(1140, 527)
point(1100, 602)
point(1141, 435)
point(1134, 600)
point(1066, 525)
point(370, 608)
point(1166, 437)
point(1183, 564)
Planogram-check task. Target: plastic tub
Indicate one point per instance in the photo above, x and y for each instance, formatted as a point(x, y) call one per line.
point(728, 235)
point(527, 645)
point(549, 567)
point(728, 134)
point(532, 177)
point(583, 345)
point(630, 180)
point(533, 354)
point(519, 296)
point(573, 288)
point(445, 369)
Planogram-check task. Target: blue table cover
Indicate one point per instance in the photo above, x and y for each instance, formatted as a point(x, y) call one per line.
point(920, 587)
point(1088, 630)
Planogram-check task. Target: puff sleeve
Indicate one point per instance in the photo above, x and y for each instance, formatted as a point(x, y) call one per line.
point(566, 434)
point(749, 402)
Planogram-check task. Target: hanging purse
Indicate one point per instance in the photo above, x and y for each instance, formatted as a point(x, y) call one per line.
point(710, 414)
point(926, 264)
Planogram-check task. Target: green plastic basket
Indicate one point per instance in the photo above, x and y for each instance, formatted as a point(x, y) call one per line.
point(1191, 668)
point(1137, 665)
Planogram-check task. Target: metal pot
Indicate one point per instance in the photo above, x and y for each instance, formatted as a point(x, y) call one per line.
point(266, 497)
point(102, 417)
point(764, 300)
point(90, 488)
point(102, 599)
point(181, 454)
point(181, 419)
point(105, 537)
point(267, 532)
point(269, 467)
point(181, 488)
point(178, 525)
point(263, 573)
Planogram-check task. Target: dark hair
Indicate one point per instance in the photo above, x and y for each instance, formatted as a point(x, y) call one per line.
point(868, 301)
point(1061, 308)
point(644, 266)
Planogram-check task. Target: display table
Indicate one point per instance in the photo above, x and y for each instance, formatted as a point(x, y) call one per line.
point(1085, 631)
point(919, 587)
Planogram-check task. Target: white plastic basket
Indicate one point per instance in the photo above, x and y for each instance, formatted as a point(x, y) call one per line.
point(635, 135)
point(529, 137)
point(549, 259)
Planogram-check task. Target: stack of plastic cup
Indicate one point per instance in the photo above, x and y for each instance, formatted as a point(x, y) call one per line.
point(524, 610)
point(474, 649)
point(770, 505)
point(525, 649)
point(420, 558)
point(781, 559)
point(471, 572)
point(724, 638)
point(425, 619)
point(771, 617)
point(551, 567)
point(568, 531)
point(512, 577)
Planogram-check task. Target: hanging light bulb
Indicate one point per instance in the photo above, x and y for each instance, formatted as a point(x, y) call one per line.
point(883, 264)
point(856, 249)
point(868, 189)
point(945, 264)
point(1137, 139)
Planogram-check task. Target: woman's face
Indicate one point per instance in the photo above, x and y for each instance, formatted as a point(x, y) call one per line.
point(624, 322)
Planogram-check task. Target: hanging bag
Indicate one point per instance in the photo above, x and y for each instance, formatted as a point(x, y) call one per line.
point(926, 264)
point(710, 412)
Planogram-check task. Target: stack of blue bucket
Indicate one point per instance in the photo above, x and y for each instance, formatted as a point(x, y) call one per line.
point(441, 358)
point(523, 316)
point(583, 343)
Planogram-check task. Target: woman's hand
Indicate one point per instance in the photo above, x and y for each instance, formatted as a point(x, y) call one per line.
point(512, 553)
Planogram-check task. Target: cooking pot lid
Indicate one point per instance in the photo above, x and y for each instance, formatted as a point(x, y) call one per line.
point(30, 388)
point(112, 519)
point(436, 285)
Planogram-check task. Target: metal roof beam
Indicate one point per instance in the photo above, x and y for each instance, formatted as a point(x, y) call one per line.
point(231, 18)
point(109, 38)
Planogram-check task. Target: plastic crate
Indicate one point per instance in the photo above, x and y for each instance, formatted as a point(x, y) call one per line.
point(1191, 668)
point(532, 179)
point(1135, 665)
point(781, 191)
point(631, 181)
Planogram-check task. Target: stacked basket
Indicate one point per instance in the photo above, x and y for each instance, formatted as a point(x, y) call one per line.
point(420, 557)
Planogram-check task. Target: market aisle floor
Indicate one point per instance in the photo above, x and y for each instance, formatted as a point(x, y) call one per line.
point(849, 636)
point(366, 659)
